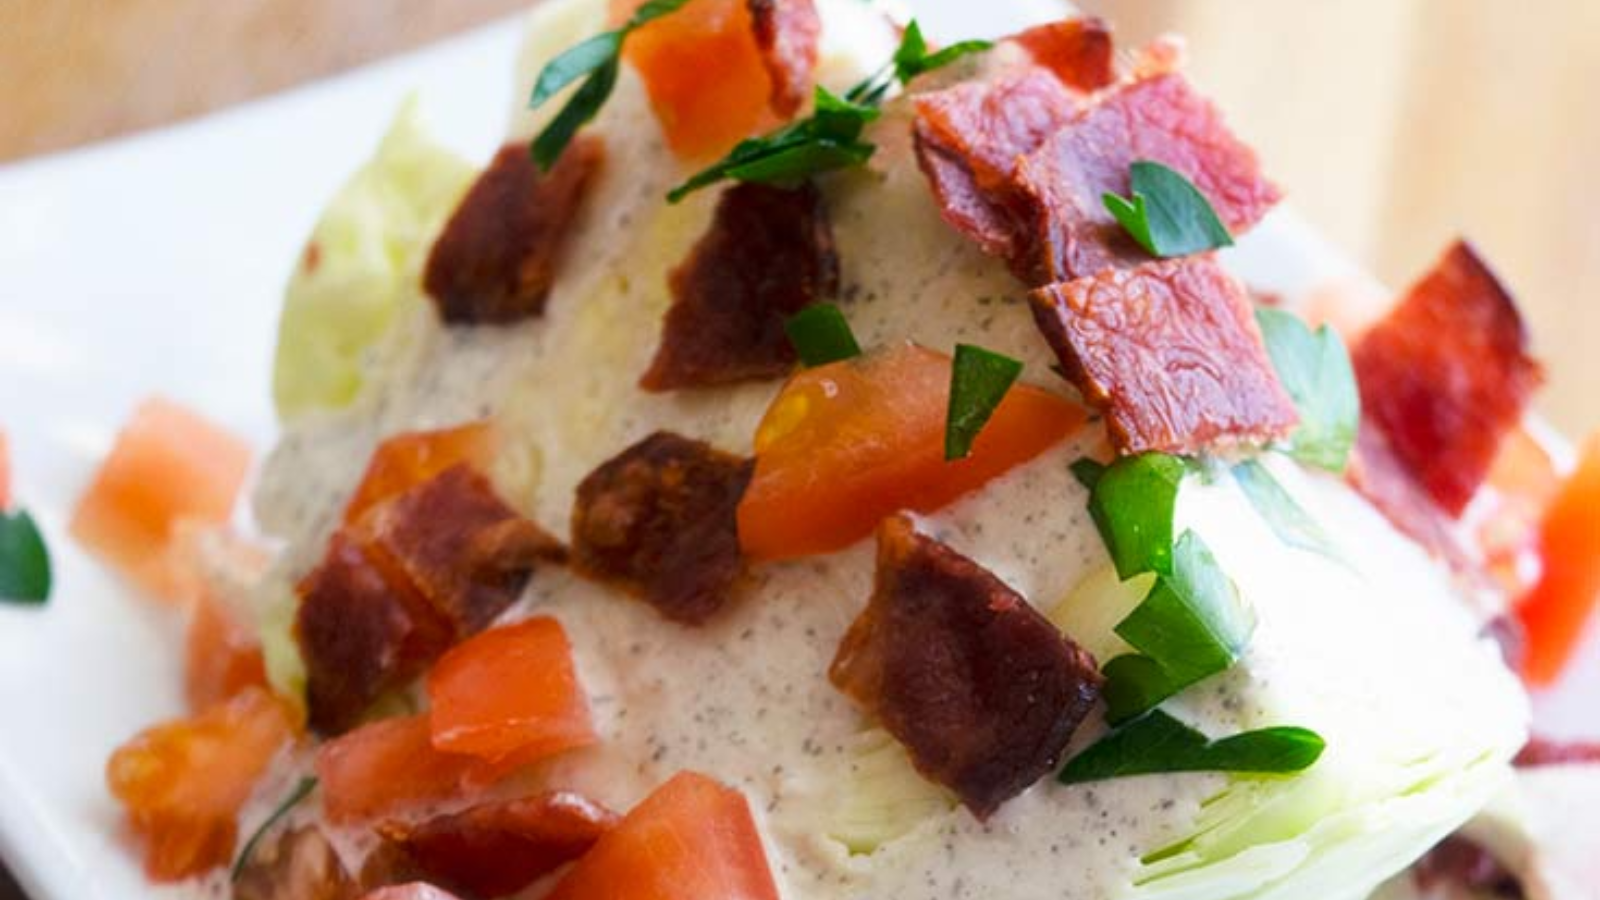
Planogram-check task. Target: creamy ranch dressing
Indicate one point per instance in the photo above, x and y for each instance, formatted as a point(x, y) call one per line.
point(1374, 652)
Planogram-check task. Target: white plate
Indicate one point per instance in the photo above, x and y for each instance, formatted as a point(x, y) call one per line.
point(154, 265)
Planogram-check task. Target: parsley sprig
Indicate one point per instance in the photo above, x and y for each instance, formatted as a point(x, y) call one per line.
point(1157, 743)
point(820, 334)
point(25, 574)
point(830, 138)
point(979, 380)
point(1191, 625)
point(1166, 214)
point(1314, 367)
point(598, 60)
point(301, 790)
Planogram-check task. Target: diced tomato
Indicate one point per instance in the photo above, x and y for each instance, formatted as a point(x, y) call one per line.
point(182, 783)
point(5, 473)
point(693, 839)
point(510, 694)
point(703, 68)
point(168, 466)
point(846, 444)
point(222, 656)
point(407, 460)
point(1555, 611)
point(386, 766)
point(1506, 518)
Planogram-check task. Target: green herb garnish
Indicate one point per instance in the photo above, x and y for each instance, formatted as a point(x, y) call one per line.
point(1132, 503)
point(913, 59)
point(24, 560)
point(1157, 743)
point(1288, 520)
point(1167, 214)
point(830, 138)
point(1088, 471)
point(1314, 368)
point(300, 792)
point(821, 335)
point(599, 60)
point(1191, 626)
point(827, 139)
point(979, 380)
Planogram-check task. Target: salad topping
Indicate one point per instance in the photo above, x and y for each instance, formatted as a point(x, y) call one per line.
point(1171, 352)
point(500, 251)
point(975, 682)
point(658, 520)
point(766, 255)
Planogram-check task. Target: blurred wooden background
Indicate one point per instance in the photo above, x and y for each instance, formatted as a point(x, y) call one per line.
point(1395, 124)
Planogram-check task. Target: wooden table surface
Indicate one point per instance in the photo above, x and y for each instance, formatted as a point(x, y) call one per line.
point(1395, 124)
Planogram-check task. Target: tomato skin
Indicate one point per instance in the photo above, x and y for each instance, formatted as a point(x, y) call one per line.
point(692, 839)
point(385, 766)
point(704, 72)
point(1555, 611)
point(406, 460)
point(222, 656)
point(169, 466)
point(510, 695)
point(183, 782)
point(848, 443)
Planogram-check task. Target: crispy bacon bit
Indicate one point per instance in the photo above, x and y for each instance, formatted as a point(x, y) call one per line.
point(659, 520)
point(498, 848)
point(296, 865)
point(1458, 863)
point(1541, 751)
point(1160, 118)
point(981, 688)
point(969, 139)
point(768, 253)
point(463, 548)
point(361, 634)
point(419, 572)
point(1171, 351)
point(496, 260)
point(1379, 476)
point(1079, 51)
point(1447, 375)
point(787, 33)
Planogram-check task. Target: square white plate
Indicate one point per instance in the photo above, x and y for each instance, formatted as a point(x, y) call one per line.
point(154, 265)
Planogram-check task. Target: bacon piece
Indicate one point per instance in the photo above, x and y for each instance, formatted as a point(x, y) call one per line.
point(296, 865)
point(968, 141)
point(498, 848)
point(1159, 118)
point(981, 688)
point(1461, 864)
point(361, 634)
point(1172, 353)
point(1079, 51)
point(463, 548)
point(768, 253)
point(787, 33)
point(1447, 376)
point(497, 258)
point(1377, 474)
point(1541, 751)
point(659, 520)
point(419, 572)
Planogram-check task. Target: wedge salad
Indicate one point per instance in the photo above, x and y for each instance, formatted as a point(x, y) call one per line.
point(807, 461)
